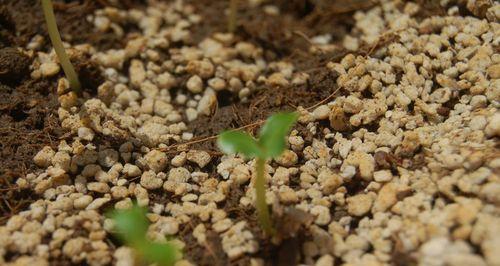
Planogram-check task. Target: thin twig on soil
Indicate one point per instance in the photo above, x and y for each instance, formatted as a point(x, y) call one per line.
point(324, 100)
point(308, 40)
point(9, 189)
point(169, 148)
point(209, 138)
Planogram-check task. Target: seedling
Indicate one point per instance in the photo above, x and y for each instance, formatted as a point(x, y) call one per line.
point(55, 38)
point(270, 144)
point(132, 226)
point(231, 22)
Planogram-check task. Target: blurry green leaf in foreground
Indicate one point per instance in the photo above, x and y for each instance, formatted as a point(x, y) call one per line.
point(163, 254)
point(132, 226)
point(239, 142)
point(273, 133)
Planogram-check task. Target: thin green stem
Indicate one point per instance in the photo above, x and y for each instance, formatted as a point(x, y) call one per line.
point(67, 67)
point(233, 9)
point(260, 193)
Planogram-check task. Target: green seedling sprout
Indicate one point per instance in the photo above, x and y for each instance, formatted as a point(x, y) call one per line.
point(131, 226)
point(233, 8)
point(270, 144)
point(55, 38)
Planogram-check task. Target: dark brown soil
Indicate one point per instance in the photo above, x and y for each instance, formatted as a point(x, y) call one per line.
point(21, 20)
point(286, 37)
point(28, 108)
point(284, 34)
point(262, 104)
point(28, 121)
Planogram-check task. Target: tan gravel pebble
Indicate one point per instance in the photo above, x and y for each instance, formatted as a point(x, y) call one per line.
point(382, 176)
point(150, 181)
point(238, 241)
point(322, 214)
point(49, 69)
point(156, 160)
point(44, 157)
point(360, 204)
point(202, 158)
point(321, 112)
point(387, 197)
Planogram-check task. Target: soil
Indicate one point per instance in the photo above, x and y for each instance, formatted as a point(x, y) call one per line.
point(275, 33)
point(29, 122)
point(28, 108)
point(286, 36)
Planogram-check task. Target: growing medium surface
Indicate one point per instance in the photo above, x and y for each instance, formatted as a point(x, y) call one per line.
point(394, 159)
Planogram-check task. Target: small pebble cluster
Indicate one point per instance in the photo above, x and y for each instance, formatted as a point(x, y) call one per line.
point(406, 169)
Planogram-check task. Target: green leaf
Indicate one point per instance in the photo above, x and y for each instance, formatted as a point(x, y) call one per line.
point(131, 225)
point(239, 142)
point(163, 254)
point(272, 134)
